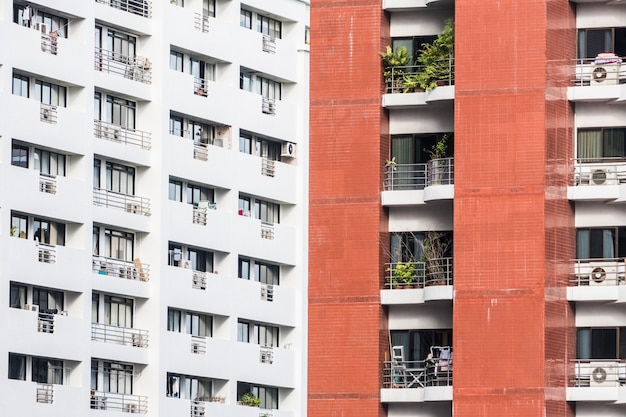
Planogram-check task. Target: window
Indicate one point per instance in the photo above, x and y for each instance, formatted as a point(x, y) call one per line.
point(252, 144)
point(266, 212)
point(259, 271)
point(195, 324)
point(118, 311)
point(245, 81)
point(417, 343)
point(189, 387)
point(120, 112)
point(245, 19)
point(591, 42)
point(19, 155)
point(267, 395)
point(413, 45)
point(47, 371)
point(176, 61)
point(49, 232)
point(48, 93)
point(121, 45)
point(269, 88)
point(200, 132)
point(95, 240)
point(268, 26)
point(197, 193)
point(20, 85)
point(120, 178)
point(19, 225)
point(208, 8)
point(257, 333)
point(17, 366)
point(112, 377)
point(201, 260)
point(201, 69)
point(49, 163)
point(601, 143)
point(176, 126)
point(24, 15)
point(244, 268)
point(307, 35)
point(175, 190)
point(245, 143)
point(49, 301)
point(17, 295)
point(244, 206)
point(601, 243)
point(601, 343)
point(119, 245)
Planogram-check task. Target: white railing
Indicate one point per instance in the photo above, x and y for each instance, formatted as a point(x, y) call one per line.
point(267, 230)
point(127, 403)
point(266, 354)
point(267, 292)
point(599, 71)
point(269, 44)
point(119, 335)
point(599, 272)
point(50, 42)
point(120, 268)
point(45, 321)
point(120, 134)
point(48, 113)
point(440, 172)
point(45, 393)
point(201, 151)
point(268, 105)
point(201, 22)
point(132, 67)
point(268, 167)
point(438, 271)
point(197, 408)
point(47, 183)
point(200, 87)
point(198, 280)
point(418, 176)
point(599, 171)
point(126, 202)
point(139, 7)
point(599, 373)
point(431, 372)
point(399, 275)
point(198, 345)
point(401, 79)
point(46, 253)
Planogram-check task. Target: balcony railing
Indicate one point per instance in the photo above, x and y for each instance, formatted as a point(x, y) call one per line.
point(433, 372)
point(267, 292)
point(198, 408)
point(46, 253)
point(266, 354)
point(268, 105)
point(47, 183)
point(50, 42)
point(45, 321)
point(132, 67)
point(599, 272)
point(122, 269)
point(127, 403)
point(201, 22)
point(120, 134)
point(200, 212)
point(200, 87)
point(400, 275)
point(198, 345)
point(599, 71)
point(400, 79)
point(48, 113)
point(128, 203)
point(599, 373)
point(201, 151)
point(599, 171)
point(269, 44)
point(198, 280)
point(119, 335)
point(418, 176)
point(45, 393)
point(139, 7)
point(268, 167)
point(267, 230)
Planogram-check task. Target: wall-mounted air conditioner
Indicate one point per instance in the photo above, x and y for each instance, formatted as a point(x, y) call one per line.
point(602, 275)
point(602, 374)
point(603, 176)
point(288, 150)
point(605, 74)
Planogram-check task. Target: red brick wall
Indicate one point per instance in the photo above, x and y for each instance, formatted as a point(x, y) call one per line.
point(347, 334)
point(513, 225)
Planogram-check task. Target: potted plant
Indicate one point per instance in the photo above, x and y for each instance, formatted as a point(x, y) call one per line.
point(439, 166)
point(404, 274)
point(436, 61)
point(394, 67)
point(250, 400)
point(435, 247)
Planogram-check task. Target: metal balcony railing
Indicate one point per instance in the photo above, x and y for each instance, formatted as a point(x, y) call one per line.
point(266, 354)
point(126, 202)
point(201, 22)
point(119, 335)
point(48, 113)
point(434, 372)
point(50, 42)
point(267, 292)
point(269, 44)
point(599, 373)
point(399, 275)
point(45, 393)
point(599, 71)
point(139, 7)
point(599, 171)
point(127, 403)
point(132, 67)
point(267, 230)
point(122, 269)
point(47, 183)
point(120, 134)
point(198, 345)
point(268, 105)
point(399, 79)
point(45, 321)
point(198, 408)
point(46, 253)
point(200, 87)
point(599, 272)
point(201, 151)
point(418, 176)
point(198, 280)
point(268, 167)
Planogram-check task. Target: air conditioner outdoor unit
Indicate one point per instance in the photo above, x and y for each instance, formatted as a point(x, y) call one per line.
point(606, 74)
point(602, 374)
point(603, 176)
point(186, 264)
point(288, 150)
point(32, 307)
point(603, 275)
point(42, 27)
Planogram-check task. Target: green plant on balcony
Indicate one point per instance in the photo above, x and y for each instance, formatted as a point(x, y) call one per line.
point(404, 274)
point(435, 63)
point(250, 400)
point(394, 65)
point(435, 248)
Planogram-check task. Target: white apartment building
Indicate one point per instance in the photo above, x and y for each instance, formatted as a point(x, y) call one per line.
point(153, 156)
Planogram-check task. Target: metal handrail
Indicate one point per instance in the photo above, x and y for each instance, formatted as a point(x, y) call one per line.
point(431, 372)
point(133, 67)
point(121, 134)
point(48, 113)
point(47, 183)
point(419, 176)
point(121, 335)
point(45, 393)
point(599, 171)
point(598, 71)
point(440, 172)
point(599, 373)
point(201, 151)
point(139, 7)
point(198, 345)
point(267, 230)
point(199, 279)
point(46, 253)
point(268, 167)
point(267, 292)
point(396, 77)
point(201, 22)
point(268, 105)
point(120, 268)
point(50, 43)
point(126, 202)
point(128, 403)
point(399, 275)
point(269, 44)
point(598, 271)
point(45, 322)
point(266, 354)
point(439, 271)
point(200, 87)
point(198, 408)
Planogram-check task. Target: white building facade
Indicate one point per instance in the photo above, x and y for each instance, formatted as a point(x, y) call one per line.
point(156, 262)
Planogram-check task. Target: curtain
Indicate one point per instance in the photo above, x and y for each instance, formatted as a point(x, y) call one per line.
point(589, 144)
point(614, 140)
point(608, 244)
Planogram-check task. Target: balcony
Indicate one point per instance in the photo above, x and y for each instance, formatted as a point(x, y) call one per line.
point(407, 184)
point(598, 280)
point(132, 67)
point(404, 89)
point(129, 203)
point(139, 7)
point(135, 270)
point(48, 113)
point(119, 335)
point(419, 381)
point(599, 79)
point(120, 134)
point(127, 403)
point(597, 380)
point(430, 280)
point(599, 179)
point(201, 22)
